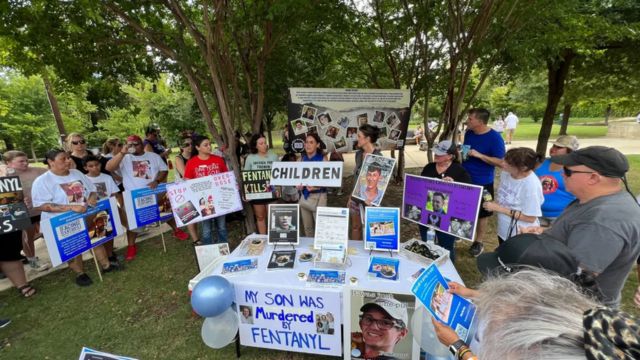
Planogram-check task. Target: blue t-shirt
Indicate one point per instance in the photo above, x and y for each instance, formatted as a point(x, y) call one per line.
point(556, 196)
point(490, 144)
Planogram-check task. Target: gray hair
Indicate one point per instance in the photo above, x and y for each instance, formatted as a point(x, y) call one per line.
point(531, 314)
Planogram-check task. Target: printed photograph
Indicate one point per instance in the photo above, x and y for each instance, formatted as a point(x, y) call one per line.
point(382, 228)
point(332, 132)
point(312, 129)
point(461, 228)
point(206, 206)
point(141, 169)
point(340, 143)
point(99, 226)
point(395, 134)
point(75, 192)
point(362, 119)
point(325, 323)
point(352, 132)
point(373, 179)
point(343, 122)
point(324, 119)
point(186, 212)
point(164, 204)
point(437, 202)
point(299, 127)
point(308, 112)
point(378, 117)
point(441, 302)
point(392, 120)
point(283, 223)
point(413, 212)
point(246, 314)
point(434, 219)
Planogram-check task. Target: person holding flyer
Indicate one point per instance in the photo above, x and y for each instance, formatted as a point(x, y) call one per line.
point(260, 158)
point(140, 169)
point(312, 196)
point(203, 163)
point(367, 137)
point(445, 168)
point(56, 191)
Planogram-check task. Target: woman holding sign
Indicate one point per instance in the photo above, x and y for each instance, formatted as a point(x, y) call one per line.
point(312, 196)
point(367, 137)
point(61, 190)
point(260, 158)
point(203, 163)
point(445, 168)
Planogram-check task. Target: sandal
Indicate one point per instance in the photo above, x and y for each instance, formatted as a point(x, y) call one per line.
point(27, 291)
point(197, 243)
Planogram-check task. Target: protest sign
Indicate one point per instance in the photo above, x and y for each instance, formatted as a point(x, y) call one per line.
point(70, 234)
point(449, 207)
point(336, 114)
point(308, 173)
point(14, 214)
point(146, 206)
point(389, 338)
point(256, 185)
point(455, 311)
point(332, 227)
point(204, 198)
point(382, 229)
point(284, 227)
point(375, 173)
point(299, 320)
point(90, 354)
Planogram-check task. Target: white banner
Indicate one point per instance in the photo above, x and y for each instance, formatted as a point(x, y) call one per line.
point(299, 320)
point(307, 173)
point(204, 198)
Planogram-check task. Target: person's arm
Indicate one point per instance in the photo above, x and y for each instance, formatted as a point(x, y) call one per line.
point(60, 208)
point(148, 147)
point(114, 163)
point(160, 178)
point(488, 159)
point(448, 337)
point(516, 214)
point(179, 165)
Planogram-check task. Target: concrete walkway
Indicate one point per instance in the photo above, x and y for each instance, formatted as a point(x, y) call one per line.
point(413, 158)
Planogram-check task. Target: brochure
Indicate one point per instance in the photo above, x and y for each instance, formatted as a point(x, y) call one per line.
point(325, 277)
point(240, 266)
point(332, 227)
point(382, 228)
point(451, 309)
point(282, 259)
point(332, 255)
point(384, 268)
point(206, 254)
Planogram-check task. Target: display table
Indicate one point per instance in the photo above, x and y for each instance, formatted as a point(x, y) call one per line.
point(279, 310)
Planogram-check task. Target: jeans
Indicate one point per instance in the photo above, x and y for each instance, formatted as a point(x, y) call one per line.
point(208, 226)
point(445, 240)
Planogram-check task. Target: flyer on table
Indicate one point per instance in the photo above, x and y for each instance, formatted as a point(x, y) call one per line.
point(332, 227)
point(284, 227)
point(455, 311)
point(449, 207)
point(146, 206)
point(70, 234)
point(204, 198)
point(298, 320)
point(382, 228)
point(14, 215)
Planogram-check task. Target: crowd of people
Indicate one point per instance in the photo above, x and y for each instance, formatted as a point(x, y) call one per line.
point(574, 207)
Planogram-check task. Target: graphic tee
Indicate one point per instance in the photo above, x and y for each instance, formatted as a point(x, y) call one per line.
point(197, 168)
point(257, 162)
point(65, 190)
point(105, 186)
point(139, 170)
point(518, 194)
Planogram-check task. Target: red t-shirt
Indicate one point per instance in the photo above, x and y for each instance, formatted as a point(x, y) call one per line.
point(197, 167)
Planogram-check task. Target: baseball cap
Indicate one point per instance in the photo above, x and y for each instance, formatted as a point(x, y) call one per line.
point(606, 161)
point(134, 138)
point(567, 141)
point(392, 307)
point(444, 147)
point(529, 250)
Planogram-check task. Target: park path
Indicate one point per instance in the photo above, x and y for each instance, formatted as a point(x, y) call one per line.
point(414, 157)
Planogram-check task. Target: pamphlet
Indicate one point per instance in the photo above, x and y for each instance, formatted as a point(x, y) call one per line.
point(382, 229)
point(332, 227)
point(240, 266)
point(332, 255)
point(282, 259)
point(451, 309)
point(325, 277)
point(206, 254)
point(384, 268)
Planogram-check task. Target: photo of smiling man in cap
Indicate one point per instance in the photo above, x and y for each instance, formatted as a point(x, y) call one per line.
point(383, 324)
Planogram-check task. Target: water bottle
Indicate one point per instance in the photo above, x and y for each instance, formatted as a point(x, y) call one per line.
point(431, 235)
point(486, 195)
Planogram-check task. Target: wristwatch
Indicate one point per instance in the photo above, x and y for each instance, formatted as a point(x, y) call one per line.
point(456, 346)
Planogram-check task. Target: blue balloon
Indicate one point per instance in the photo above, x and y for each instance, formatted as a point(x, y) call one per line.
point(212, 296)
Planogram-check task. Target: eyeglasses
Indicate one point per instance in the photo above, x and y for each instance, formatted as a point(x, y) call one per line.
point(186, 144)
point(568, 172)
point(133, 144)
point(384, 324)
point(79, 142)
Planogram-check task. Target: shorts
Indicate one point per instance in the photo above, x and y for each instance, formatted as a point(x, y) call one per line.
point(10, 246)
point(35, 219)
point(484, 213)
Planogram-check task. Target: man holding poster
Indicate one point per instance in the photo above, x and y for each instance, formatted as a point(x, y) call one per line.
point(140, 169)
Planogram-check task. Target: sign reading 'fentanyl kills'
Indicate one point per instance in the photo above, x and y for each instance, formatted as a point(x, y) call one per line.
point(308, 173)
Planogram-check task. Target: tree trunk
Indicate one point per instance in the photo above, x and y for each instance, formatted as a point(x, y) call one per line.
point(268, 119)
point(556, 77)
point(566, 113)
point(55, 109)
point(607, 114)
point(33, 152)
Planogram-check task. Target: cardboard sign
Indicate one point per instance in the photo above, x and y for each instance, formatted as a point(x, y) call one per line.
point(70, 234)
point(449, 207)
point(308, 173)
point(300, 320)
point(14, 214)
point(146, 206)
point(204, 198)
point(256, 185)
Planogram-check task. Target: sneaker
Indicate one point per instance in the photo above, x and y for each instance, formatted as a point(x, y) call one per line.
point(83, 280)
point(35, 264)
point(476, 249)
point(181, 235)
point(131, 252)
point(112, 267)
point(4, 322)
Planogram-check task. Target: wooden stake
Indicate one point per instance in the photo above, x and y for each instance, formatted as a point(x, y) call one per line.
point(95, 260)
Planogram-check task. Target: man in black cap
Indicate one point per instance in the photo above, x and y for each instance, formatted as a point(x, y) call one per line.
point(602, 226)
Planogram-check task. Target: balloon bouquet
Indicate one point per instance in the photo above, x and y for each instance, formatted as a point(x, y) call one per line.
point(212, 298)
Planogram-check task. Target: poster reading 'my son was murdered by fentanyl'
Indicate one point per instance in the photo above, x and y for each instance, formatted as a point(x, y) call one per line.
point(336, 114)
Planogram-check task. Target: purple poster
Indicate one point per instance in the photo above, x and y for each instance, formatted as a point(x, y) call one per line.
point(450, 207)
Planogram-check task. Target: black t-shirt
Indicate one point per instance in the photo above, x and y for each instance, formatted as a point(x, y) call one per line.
point(80, 166)
point(454, 171)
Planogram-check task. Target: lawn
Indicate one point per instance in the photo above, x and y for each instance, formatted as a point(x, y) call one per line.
point(144, 311)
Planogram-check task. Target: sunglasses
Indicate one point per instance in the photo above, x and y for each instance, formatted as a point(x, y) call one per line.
point(79, 142)
point(568, 172)
point(186, 144)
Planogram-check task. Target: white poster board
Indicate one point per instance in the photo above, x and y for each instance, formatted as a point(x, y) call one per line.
point(307, 173)
point(332, 227)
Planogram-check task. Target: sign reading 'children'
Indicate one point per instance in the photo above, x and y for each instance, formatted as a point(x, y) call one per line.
point(299, 320)
point(308, 173)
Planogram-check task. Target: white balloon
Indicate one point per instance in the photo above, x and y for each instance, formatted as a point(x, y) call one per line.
point(219, 331)
point(424, 334)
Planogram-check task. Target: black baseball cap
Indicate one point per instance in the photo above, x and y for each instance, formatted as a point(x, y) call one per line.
point(604, 160)
point(529, 250)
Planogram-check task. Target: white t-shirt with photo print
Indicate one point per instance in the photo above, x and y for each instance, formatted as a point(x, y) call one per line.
point(65, 190)
point(524, 195)
point(105, 186)
point(138, 171)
